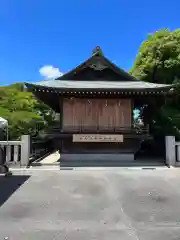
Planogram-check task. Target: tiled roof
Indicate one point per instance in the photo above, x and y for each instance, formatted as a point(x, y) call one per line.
point(121, 85)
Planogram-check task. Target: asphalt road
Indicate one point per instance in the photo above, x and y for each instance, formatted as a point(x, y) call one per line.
point(75, 205)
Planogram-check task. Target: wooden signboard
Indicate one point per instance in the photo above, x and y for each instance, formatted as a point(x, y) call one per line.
point(97, 138)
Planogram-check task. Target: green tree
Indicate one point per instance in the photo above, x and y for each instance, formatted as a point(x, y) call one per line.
point(24, 113)
point(158, 61)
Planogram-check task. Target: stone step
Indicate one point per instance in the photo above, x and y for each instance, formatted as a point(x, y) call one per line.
point(97, 157)
point(110, 163)
point(97, 160)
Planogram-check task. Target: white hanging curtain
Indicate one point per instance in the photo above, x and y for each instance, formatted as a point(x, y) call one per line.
point(3, 123)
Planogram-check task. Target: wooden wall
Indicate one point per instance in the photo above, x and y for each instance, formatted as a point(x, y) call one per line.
point(96, 114)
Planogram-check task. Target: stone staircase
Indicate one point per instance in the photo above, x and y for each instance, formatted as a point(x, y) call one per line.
point(96, 160)
point(105, 160)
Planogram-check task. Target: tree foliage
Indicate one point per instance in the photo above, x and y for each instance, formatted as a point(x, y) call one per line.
point(158, 61)
point(24, 113)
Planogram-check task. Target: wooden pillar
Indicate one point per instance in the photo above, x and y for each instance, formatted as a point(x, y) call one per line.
point(61, 123)
point(61, 113)
point(132, 112)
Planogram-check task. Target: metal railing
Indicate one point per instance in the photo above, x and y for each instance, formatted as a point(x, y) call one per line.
point(39, 148)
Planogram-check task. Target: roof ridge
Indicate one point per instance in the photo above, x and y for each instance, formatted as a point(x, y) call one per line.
point(97, 53)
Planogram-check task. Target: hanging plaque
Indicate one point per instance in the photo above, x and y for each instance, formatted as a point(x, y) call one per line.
point(97, 138)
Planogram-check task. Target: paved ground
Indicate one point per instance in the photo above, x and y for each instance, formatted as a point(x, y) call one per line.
point(75, 205)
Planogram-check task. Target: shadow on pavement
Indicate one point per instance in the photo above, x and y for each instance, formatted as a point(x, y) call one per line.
point(8, 185)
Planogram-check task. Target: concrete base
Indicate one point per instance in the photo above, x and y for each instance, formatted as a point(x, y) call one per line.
point(97, 157)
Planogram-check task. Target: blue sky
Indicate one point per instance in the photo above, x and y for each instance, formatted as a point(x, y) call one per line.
point(61, 34)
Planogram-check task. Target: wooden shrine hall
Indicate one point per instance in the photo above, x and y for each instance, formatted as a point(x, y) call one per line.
point(96, 102)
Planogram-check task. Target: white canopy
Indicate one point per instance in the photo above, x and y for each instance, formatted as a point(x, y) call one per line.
point(3, 122)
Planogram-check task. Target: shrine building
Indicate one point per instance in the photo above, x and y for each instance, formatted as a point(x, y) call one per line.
point(96, 102)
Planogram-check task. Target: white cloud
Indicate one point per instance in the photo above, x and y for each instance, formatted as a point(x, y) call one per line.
point(48, 71)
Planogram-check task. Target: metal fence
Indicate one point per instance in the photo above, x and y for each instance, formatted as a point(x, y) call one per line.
point(39, 148)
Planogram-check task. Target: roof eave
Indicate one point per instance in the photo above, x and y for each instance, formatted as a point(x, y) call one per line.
point(33, 87)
